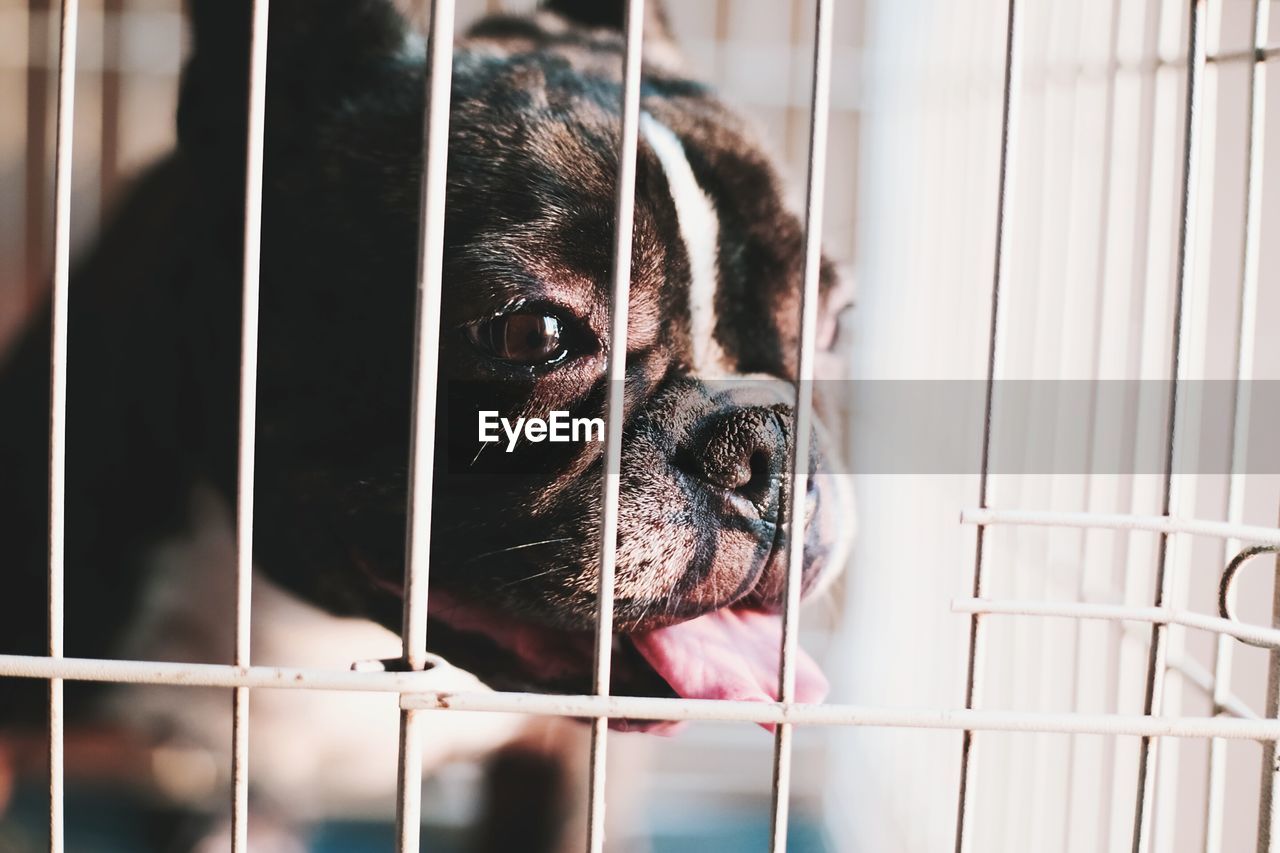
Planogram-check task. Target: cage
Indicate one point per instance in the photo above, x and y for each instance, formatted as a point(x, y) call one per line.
point(1057, 214)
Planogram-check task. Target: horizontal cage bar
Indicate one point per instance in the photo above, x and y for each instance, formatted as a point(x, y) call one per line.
point(1118, 521)
point(410, 685)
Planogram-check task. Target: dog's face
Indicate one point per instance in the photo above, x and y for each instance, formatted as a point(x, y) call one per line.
point(712, 341)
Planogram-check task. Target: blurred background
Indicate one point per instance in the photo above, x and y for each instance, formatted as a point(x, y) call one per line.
point(911, 214)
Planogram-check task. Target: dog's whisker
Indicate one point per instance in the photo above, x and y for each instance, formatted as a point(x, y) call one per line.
point(488, 554)
point(674, 605)
point(531, 577)
point(476, 458)
point(644, 614)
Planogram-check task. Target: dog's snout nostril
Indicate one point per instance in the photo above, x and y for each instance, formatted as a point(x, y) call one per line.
point(739, 450)
point(758, 470)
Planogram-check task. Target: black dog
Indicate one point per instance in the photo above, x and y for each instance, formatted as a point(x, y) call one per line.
point(534, 131)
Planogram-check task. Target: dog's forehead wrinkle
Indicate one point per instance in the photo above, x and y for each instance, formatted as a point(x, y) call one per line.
point(526, 274)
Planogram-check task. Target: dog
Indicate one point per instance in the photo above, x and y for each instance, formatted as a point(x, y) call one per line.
point(534, 133)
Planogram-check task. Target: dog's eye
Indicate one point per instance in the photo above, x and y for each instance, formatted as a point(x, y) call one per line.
point(521, 337)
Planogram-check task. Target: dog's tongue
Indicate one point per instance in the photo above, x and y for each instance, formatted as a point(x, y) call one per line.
point(728, 654)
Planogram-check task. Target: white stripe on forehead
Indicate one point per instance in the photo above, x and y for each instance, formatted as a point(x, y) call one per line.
point(700, 230)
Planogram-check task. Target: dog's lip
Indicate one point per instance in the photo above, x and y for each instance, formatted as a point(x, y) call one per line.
point(730, 652)
point(374, 579)
point(547, 655)
point(727, 653)
point(630, 670)
point(523, 656)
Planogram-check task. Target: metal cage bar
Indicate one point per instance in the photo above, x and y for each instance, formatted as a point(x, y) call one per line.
point(615, 399)
point(1004, 193)
point(1146, 793)
point(248, 419)
point(723, 710)
point(543, 704)
point(1253, 634)
point(1198, 296)
point(1148, 147)
point(820, 110)
point(241, 677)
point(1269, 802)
point(65, 132)
point(1165, 524)
point(1246, 337)
point(425, 377)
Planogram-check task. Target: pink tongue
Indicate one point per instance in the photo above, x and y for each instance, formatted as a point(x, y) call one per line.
point(728, 654)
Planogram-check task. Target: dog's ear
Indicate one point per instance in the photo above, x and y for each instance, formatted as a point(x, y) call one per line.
point(339, 31)
point(316, 50)
point(611, 14)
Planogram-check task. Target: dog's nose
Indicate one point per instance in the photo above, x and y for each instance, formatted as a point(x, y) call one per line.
point(742, 449)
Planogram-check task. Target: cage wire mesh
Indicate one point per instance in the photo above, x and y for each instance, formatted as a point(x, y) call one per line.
point(1085, 184)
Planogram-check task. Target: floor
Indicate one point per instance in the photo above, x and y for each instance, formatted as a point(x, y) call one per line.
point(103, 821)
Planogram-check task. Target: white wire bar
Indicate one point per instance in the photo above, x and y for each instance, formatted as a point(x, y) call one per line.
point(1195, 354)
point(615, 379)
point(1199, 677)
point(1261, 52)
point(633, 707)
point(1144, 807)
point(248, 420)
point(1269, 803)
point(58, 408)
point(1116, 521)
point(439, 77)
point(777, 713)
point(1000, 271)
point(1153, 156)
point(1253, 634)
point(820, 110)
point(212, 675)
point(1246, 338)
point(1202, 679)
